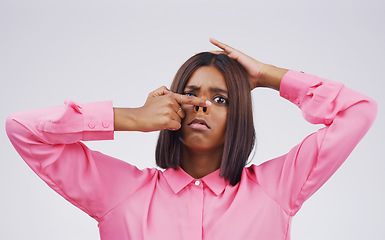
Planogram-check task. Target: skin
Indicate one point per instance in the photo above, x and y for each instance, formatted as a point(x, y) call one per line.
point(163, 109)
point(202, 149)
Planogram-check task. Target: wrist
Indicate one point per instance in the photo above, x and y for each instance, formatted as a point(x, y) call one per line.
point(271, 76)
point(125, 119)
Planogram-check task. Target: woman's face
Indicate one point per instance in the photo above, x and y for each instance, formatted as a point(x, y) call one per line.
point(204, 129)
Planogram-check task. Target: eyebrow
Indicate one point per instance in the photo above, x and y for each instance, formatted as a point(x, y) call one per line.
point(213, 89)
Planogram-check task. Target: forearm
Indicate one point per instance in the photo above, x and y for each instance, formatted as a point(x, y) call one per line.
point(125, 119)
point(49, 140)
point(66, 124)
point(271, 76)
point(321, 100)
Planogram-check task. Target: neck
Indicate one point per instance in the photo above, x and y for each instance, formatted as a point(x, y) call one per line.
point(200, 163)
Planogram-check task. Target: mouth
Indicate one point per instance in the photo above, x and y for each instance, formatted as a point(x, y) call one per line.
point(199, 124)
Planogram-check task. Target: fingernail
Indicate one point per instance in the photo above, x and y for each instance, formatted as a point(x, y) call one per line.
point(208, 103)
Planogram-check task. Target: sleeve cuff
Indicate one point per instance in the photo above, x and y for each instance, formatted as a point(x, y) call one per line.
point(98, 121)
point(294, 86)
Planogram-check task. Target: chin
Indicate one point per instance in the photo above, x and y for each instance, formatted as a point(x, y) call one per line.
point(200, 146)
point(197, 146)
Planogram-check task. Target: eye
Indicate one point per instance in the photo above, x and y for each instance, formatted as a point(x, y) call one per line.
point(189, 94)
point(220, 100)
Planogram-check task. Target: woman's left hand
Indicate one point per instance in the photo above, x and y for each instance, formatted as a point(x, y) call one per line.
point(252, 66)
point(259, 74)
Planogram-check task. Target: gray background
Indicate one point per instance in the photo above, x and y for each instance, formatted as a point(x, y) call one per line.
point(121, 50)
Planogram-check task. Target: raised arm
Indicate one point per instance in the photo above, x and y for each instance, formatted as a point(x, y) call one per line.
point(346, 115)
point(50, 140)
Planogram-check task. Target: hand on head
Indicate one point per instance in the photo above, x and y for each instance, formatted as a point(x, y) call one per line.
point(253, 67)
point(163, 108)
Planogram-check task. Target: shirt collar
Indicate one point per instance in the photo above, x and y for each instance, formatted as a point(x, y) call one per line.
point(179, 179)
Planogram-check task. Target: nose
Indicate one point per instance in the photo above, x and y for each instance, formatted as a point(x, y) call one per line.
point(197, 109)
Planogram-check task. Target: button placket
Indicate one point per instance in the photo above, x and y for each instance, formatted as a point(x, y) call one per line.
point(196, 210)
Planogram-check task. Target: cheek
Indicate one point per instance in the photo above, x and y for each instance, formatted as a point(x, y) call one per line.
point(220, 119)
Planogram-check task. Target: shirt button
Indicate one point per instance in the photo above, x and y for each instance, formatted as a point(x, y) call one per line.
point(296, 101)
point(197, 183)
point(105, 124)
point(91, 125)
point(286, 96)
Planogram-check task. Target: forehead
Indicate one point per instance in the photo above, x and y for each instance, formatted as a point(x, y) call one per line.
point(207, 76)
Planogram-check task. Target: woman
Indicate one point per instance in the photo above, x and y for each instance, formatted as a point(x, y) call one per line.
point(207, 133)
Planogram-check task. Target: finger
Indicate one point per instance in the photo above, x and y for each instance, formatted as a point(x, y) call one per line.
point(221, 45)
point(174, 125)
point(232, 52)
point(191, 100)
point(178, 109)
point(159, 92)
point(180, 113)
point(218, 52)
point(174, 122)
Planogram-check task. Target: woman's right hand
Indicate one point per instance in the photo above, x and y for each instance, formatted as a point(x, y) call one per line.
point(162, 110)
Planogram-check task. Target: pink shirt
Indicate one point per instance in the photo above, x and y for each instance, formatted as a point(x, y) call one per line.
point(129, 203)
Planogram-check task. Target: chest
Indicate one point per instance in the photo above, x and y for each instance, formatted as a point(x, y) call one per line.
point(244, 212)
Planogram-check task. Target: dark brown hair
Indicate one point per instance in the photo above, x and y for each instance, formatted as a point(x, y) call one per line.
point(240, 133)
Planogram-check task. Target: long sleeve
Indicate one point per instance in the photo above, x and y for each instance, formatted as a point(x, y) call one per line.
point(49, 140)
point(347, 115)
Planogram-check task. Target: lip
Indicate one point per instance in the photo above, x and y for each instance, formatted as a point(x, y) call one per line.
point(199, 124)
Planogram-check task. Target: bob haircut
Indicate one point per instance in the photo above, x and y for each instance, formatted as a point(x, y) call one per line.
point(240, 133)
